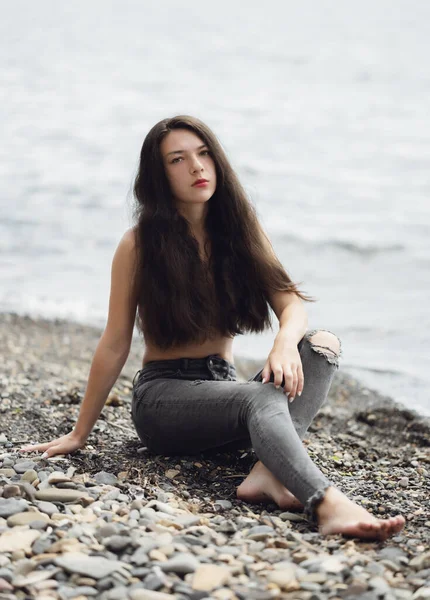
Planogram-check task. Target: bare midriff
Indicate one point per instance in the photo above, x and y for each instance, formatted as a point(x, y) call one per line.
point(222, 345)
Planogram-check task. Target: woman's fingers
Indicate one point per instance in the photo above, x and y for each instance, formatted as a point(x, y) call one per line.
point(36, 447)
point(300, 380)
point(293, 387)
point(53, 450)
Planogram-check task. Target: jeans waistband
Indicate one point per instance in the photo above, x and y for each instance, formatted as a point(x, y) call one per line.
point(208, 367)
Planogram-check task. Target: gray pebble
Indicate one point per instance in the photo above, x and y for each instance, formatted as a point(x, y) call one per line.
point(106, 531)
point(224, 504)
point(140, 557)
point(26, 465)
point(105, 478)
point(154, 581)
point(261, 532)
point(117, 542)
point(11, 506)
point(182, 563)
point(46, 507)
point(91, 566)
point(117, 593)
point(112, 495)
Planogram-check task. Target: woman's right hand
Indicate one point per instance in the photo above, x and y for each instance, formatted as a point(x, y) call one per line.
point(63, 445)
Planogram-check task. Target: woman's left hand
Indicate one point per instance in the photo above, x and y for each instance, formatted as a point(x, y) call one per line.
point(287, 365)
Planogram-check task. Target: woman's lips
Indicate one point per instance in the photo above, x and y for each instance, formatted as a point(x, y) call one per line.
point(201, 184)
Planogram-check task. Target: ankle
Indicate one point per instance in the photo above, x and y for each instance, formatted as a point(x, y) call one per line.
point(328, 504)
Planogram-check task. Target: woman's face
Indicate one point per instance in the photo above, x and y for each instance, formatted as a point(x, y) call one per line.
point(186, 160)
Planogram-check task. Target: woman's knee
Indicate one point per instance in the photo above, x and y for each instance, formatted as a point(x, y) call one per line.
point(326, 344)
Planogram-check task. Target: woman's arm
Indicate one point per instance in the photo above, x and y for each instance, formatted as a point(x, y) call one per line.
point(111, 352)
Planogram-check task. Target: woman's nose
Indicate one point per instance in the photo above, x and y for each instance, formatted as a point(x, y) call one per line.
point(196, 165)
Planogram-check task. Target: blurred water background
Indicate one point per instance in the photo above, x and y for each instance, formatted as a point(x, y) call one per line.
point(322, 108)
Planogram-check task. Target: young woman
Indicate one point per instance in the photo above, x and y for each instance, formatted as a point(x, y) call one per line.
point(198, 270)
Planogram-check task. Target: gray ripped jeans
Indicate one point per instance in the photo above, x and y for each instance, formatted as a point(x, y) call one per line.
point(188, 405)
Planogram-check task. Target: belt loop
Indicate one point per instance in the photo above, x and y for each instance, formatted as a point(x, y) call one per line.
point(136, 375)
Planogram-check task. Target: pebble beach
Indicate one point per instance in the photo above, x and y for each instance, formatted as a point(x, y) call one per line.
point(114, 522)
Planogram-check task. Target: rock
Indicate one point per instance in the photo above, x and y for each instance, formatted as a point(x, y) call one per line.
point(10, 506)
point(91, 566)
point(105, 478)
point(117, 542)
point(58, 477)
point(47, 507)
point(422, 593)
point(26, 518)
point(420, 562)
point(140, 594)
point(260, 533)
point(289, 516)
point(11, 491)
point(181, 564)
point(29, 476)
point(171, 473)
point(154, 581)
point(7, 472)
point(140, 557)
point(17, 539)
point(33, 577)
point(57, 495)
point(284, 578)
point(224, 504)
point(26, 465)
point(209, 577)
point(332, 565)
point(6, 587)
point(392, 553)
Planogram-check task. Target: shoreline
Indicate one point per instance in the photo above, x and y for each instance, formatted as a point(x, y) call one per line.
point(145, 514)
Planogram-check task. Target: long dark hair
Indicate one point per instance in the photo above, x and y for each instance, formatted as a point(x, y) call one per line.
point(181, 299)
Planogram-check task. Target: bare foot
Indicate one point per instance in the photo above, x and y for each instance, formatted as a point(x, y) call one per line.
point(262, 486)
point(337, 514)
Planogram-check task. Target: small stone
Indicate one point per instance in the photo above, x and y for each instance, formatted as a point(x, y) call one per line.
point(171, 473)
point(116, 543)
point(26, 518)
point(420, 562)
point(224, 504)
point(58, 477)
point(11, 491)
point(91, 566)
point(404, 482)
point(209, 577)
point(105, 478)
point(422, 593)
point(140, 594)
point(289, 516)
point(260, 533)
point(7, 473)
point(181, 564)
point(29, 476)
point(16, 539)
point(47, 507)
point(26, 465)
point(285, 579)
point(5, 586)
point(33, 578)
point(11, 506)
point(57, 495)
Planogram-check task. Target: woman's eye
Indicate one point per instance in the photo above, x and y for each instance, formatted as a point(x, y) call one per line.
point(204, 152)
point(176, 159)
